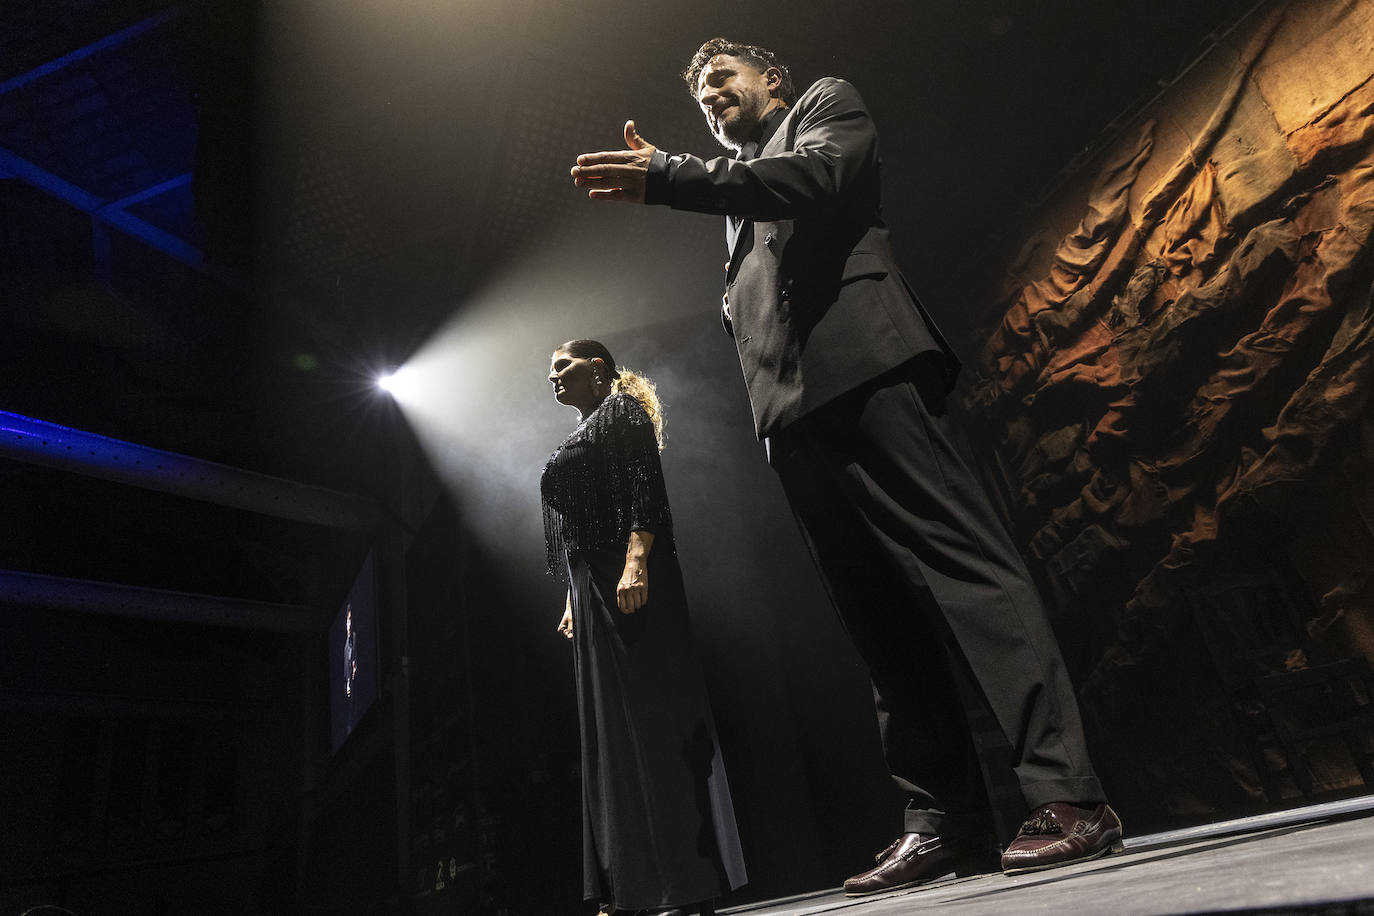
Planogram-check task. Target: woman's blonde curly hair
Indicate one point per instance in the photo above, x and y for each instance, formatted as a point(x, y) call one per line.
point(624, 380)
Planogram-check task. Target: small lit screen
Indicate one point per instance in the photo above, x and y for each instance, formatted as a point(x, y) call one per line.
point(353, 656)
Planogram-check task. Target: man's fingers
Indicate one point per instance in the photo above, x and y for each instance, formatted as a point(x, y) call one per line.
point(611, 157)
point(601, 177)
point(610, 194)
point(583, 178)
point(620, 174)
point(609, 170)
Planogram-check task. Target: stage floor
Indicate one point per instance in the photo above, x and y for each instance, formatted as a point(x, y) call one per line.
point(1324, 865)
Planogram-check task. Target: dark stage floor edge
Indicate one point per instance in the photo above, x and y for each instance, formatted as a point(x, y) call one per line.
point(1318, 859)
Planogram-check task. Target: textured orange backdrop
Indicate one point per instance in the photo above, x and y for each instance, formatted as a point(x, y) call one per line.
point(1176, 368)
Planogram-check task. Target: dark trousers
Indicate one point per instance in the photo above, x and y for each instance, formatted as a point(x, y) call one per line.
point(929, 585)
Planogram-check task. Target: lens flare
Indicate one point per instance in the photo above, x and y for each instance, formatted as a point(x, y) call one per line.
point(397, 384)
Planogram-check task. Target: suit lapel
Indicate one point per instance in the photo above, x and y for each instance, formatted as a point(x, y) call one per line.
point(739, 232)
point(739, 236)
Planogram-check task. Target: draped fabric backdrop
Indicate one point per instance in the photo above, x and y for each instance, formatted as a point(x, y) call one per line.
point(1175, 372)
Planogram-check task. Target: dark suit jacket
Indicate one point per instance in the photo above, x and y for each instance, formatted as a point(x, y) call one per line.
point(817, 303)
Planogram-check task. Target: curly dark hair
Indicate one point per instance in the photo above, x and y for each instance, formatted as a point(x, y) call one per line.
point(753, 55)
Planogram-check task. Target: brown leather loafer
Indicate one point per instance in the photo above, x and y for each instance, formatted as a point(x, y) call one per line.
point(1059, 834)
point(915, 859)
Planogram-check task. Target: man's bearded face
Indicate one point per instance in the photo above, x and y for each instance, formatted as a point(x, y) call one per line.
point(734, 97)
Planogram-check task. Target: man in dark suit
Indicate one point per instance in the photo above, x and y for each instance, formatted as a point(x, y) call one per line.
point(848, 377)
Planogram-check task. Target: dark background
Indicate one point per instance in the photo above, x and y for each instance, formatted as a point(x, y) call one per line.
point(227, 218)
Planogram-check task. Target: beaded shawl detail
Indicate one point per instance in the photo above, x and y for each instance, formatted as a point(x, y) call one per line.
point(603, 482)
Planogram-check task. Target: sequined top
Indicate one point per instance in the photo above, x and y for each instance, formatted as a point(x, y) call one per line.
point(603, 482)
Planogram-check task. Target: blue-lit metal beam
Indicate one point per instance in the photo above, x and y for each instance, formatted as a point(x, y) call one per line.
point(100, 233)
point(38, 442)
point(87, 202)
point(113, 40)
point(83, 596)
point(162, 187)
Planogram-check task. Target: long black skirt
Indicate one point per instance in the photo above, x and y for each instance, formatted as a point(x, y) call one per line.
point(658, 826)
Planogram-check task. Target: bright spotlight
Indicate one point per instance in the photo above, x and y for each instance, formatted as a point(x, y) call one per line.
point(395, 383)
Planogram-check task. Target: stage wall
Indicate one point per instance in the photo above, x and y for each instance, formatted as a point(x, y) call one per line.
point(1174, 372)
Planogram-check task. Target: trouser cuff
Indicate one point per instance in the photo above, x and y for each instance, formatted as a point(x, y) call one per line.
point(1085, 792)
point(946, 824)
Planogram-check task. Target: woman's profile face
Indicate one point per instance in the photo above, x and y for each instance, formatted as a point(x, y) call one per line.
point(573, 379)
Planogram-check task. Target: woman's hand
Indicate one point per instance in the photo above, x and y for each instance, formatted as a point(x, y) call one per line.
point(633, 591)
point(565, 625)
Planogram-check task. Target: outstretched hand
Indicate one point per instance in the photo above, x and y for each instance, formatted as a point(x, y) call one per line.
point(616, 175)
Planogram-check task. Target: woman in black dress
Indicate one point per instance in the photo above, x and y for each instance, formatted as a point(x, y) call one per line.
point(658, 828)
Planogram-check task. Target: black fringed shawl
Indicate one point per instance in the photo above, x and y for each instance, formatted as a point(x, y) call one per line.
point(603, 482)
